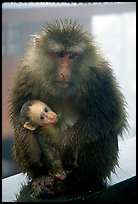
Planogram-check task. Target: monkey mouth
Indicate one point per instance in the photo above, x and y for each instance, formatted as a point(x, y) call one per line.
point(63, 84)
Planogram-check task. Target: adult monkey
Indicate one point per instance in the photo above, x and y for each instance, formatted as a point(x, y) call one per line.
point(63, 67)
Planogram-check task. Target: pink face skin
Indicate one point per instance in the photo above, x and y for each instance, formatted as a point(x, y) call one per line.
point(42, 114)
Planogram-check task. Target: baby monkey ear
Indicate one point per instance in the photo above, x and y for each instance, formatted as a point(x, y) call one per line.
point(28, 126)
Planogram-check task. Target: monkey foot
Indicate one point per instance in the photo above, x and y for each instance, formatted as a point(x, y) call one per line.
point(42, 186)
point(61, 175)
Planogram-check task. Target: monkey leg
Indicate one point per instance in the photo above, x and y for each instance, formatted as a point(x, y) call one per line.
point(42, 186)
point(54, 163)
point(58, 171)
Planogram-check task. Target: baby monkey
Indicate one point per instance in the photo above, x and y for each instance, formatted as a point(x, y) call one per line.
point(38, 117)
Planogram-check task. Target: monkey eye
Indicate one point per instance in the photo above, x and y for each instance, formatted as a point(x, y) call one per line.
point(73, 55)
point(42, 117)
point(60, 54)
point(46, 110)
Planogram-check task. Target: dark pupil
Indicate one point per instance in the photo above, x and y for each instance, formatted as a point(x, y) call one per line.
point(61, 54)
point(41, 117)
point(72, 55)
point(46, 110)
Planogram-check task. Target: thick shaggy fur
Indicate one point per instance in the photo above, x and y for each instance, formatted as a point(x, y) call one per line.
point(90, 145)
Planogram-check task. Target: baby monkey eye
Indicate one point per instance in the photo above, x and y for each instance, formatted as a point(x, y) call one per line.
point(42, 117)
point(46, 110)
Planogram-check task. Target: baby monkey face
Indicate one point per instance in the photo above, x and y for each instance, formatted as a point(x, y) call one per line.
point(42, 114)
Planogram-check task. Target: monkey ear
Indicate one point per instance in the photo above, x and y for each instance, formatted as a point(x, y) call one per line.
point(28, 126)
point(37, 39)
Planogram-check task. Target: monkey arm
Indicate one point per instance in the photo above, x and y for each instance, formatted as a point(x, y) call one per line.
point(26, 151)
point(54, 134)
point(84, 145)
point(70, 145)
point(103, 118)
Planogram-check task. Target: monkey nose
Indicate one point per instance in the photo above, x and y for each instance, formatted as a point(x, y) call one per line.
point(52, 118)
point(64, 76)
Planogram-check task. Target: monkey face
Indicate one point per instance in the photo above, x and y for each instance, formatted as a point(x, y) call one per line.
point(63, 51)
point(64, 61)
point(41, 114)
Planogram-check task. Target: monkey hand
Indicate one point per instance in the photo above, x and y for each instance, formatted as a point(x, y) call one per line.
point(62, 174)
point(42, 186)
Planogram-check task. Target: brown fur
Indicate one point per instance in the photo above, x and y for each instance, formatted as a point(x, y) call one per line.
point(91, 107)
point(48, 138)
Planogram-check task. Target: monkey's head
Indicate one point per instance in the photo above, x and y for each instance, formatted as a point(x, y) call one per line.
point(61, 55)
point(36, 114)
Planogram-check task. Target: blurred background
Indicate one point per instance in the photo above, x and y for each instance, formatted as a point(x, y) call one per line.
point(112, 24)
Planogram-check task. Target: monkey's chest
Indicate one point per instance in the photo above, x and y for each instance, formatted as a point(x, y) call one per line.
point(68, 116)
